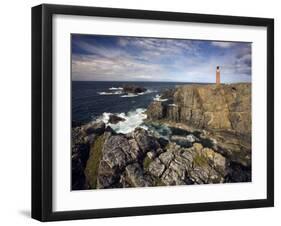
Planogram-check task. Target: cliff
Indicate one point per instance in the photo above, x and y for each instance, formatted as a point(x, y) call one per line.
point(223, 107)
point(197, 134)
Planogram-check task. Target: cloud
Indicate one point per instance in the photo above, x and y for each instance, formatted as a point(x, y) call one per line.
point(223, 44)
point(108, 58)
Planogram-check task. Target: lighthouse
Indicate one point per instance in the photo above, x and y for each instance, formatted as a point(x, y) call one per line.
point(218, 76)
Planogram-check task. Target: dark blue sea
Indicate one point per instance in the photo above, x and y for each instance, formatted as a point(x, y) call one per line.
point(90, 99)
point(93, 100)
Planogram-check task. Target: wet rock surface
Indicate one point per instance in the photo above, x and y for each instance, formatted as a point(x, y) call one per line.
point(113, 119)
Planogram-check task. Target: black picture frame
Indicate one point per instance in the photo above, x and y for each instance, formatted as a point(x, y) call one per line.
point(42, 108)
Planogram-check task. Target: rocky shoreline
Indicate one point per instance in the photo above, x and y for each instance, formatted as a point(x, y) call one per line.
point(198, 135)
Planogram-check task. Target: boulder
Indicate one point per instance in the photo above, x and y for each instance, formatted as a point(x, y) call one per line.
point(133, 89)
point(114, 119)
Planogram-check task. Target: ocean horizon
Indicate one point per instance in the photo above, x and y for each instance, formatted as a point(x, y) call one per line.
point(93, 100)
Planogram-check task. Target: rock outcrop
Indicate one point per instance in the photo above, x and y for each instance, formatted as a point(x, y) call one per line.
point(223, 112)
point(139, 160)
point(223, 107)
point(133, 89)
point(208, 140)
point(114, 119)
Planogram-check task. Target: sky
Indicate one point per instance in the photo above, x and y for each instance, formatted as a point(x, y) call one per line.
point(121, 58)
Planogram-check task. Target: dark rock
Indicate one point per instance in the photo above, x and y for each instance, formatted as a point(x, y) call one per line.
point(114, 119)
point(237, 148)
point(170, 177)
point(156, 168)
point(168, 94)
point(118, 152)
point(75, 124)
point(163, 142)
point(107, 176)
point(239, 173)
point(79, 156)
point(94, 127)
point(182, 141)
point(133, 89)
point(166, 157)
point(136, 177)
point(145, 142)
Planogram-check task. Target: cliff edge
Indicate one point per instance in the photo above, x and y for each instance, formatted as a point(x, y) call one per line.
point(212, 107)
point(194, 134)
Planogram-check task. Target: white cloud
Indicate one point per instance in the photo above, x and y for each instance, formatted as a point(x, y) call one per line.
point(150, 59)
point(223, 44)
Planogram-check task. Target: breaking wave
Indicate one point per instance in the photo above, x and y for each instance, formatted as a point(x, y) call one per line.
point(133, 119)
point(138, 94)
point(116, 88)
point(110, 93)
point(158, 98)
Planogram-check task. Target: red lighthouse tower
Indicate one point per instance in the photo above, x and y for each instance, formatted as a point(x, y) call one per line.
point(218, 76)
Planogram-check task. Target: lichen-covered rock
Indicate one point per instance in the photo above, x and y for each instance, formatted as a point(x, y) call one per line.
point(145, 141)
point(117, 152)
point(167, 157)
point(170, 177)
point(156, 168)
point(197, 165)
point(136, 177)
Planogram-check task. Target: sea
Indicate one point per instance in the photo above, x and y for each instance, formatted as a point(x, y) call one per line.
point(95, 100)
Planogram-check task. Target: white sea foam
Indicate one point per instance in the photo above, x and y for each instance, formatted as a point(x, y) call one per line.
point(116, 88)
point(173, 105)
point(133, 119)
point(110, 93)
point(158, 98)
point(130, 95)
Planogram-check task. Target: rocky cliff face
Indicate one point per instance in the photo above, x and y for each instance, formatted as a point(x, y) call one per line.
point(208, 141)
point(224, 107)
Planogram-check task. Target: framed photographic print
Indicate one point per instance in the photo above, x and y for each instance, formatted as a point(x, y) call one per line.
point(146, 112)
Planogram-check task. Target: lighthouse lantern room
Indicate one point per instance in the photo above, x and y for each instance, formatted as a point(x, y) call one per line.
point(218, 76)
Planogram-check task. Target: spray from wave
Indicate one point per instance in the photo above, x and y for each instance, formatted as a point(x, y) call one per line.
point(133, 119)
point(116, 88)
point(159, 98)
point(110, 93)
